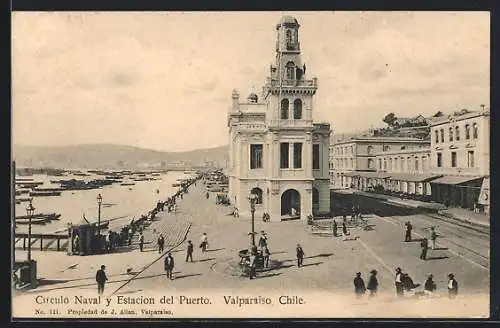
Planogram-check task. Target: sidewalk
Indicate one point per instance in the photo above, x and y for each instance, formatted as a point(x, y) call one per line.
point(466, 216)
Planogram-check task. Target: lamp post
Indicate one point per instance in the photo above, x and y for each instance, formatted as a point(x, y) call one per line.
point(30, 210)
point(253, 199)
point(99, 202)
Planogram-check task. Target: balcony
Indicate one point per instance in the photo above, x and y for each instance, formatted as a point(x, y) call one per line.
point(251, 127)
point(290, 123)
point(274, 82)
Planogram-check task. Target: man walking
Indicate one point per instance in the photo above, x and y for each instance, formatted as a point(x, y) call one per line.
point(408, 228)
point(424, 245)
point(266, 254)
point(398, 282)
point(262, 240)
point(359, 285)
point(189, 254)
point(101, 279)
point(300, 255)
point(161, 244)
point(429, 286)
point(433, 238)
point(373, 283)
point(452, 286)
point(141, 242)
point(251, 265)
point(334, 228)
point(169, 265)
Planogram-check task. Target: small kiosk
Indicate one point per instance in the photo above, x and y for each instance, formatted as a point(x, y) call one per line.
point(84, 239)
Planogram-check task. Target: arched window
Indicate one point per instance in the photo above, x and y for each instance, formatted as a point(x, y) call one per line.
point(442, 134)
point(402, 163)
point(369, 150)
point(474, 130)
point(257, 192)
point(370, 163)
point(416, 163)
point(290, 71)
point(390, 164)
point(450, 133)
point(424, 163)
point(408, 164)
point(467, 131)
point(297, 109)
point(289, 36)
point(284, 109)
point(457, 133)
point(437, 136)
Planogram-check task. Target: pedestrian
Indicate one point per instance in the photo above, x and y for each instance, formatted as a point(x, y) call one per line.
point(452, 286)
point(373, 283)
point(300, 255)
point(433, 238)
point(424, 245)
point(334, 228)
point(251, 265)
point(429, 286)
point(204, 242)
point(169, 265)
point(266, 254)
point(207, 195)
point(130, 232)
point(101, 279)
point(398, 282)
point(262, 240)
point(141, 242)
point(161, 244)
point(76, 244)
point(408, 229)
point(359, 285)
point(344, 231)
point(190, 248)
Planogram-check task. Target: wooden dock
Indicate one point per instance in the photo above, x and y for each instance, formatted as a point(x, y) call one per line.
point(47, 241)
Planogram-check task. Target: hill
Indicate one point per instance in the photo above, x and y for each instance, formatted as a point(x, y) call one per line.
point(107, 156)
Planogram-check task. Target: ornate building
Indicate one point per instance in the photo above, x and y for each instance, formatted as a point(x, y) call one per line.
point(276, 152)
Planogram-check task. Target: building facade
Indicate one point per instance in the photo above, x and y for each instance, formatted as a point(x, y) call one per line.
point(357, 157)
point(460, 152)
point(276, 152)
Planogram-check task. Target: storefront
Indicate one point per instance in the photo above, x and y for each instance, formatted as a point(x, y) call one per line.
point(457, 191)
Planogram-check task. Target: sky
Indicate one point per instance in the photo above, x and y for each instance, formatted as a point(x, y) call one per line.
point(163, 80)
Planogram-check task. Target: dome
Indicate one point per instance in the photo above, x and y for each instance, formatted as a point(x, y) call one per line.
point(252, 97)
point(288, 20)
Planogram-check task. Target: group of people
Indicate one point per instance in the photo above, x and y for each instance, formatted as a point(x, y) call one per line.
point(359, 284)
point(424, 243)
point(405, 285)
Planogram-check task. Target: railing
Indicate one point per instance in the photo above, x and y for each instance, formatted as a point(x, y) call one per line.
point(291, 123)
point(293, 82)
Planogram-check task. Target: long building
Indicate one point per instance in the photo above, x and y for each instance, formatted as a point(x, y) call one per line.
point(277, 153)
point(356, 157)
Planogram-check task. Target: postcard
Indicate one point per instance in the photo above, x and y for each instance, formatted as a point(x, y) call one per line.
point(250, 165)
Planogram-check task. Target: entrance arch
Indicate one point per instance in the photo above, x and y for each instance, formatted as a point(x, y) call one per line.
point(315, 201)
point(290, 199)
point(257, 192)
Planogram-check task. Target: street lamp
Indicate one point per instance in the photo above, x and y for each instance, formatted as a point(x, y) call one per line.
point(253, 199)
point(99, 202)
point(30, 210)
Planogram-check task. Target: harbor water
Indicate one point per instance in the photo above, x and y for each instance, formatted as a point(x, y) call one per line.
point(120, 204)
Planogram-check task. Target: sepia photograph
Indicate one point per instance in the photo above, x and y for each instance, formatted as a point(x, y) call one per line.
point(251, 165)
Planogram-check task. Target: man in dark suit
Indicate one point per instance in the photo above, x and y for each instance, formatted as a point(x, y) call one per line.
point(300, 255)
point(408, 229)
point(169, 265)
point(398, 282)
point(424, 244)
point(359, 285)
point(190, 249)
point(101, 279)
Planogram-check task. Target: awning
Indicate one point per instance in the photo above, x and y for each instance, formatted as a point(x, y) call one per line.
point(415, 177)
point(455, 179)
point(371, 175)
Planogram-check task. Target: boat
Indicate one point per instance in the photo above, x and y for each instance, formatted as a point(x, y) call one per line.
point(47, 216)
point(29, 184)
point(24, 179)
point(48, 189)
point(20, 200)
point(176, 184)
point(22, 191)
point(33, 221)
point(127, 184)
point(45, 193)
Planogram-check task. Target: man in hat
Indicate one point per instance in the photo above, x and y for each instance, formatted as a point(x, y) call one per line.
point(359, 285)
point(334, 228)
point(408, 229)
point(101, 279)
point(300, 255)
point(398, 282)
point(190, 249)
point(452, 286)
point(169, 265)
point(204, 242)
point(433, 238)
point(141, 242)
point(262, 240)
point(424, 245)
point(161, 243)
point(430, 285)
point(373, 283)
